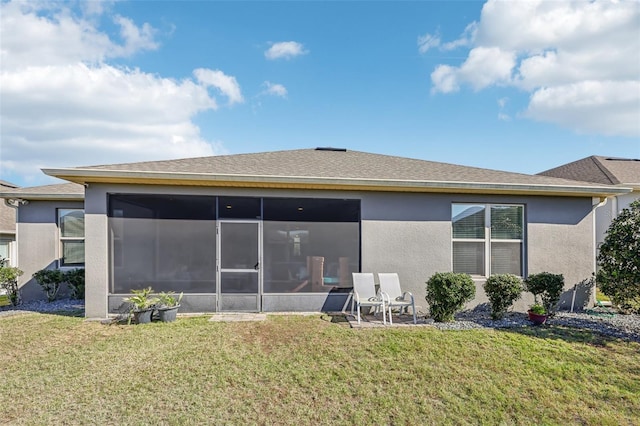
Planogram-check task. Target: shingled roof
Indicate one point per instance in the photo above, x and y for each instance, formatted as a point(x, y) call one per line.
point(327, 168)
point(5, 184)
point(61, 191)
point(597, 169)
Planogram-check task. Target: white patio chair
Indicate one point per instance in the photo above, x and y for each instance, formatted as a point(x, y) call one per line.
point(364, 294)
point(390, 288)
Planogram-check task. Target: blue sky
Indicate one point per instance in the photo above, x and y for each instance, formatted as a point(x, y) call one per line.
point(518, 86)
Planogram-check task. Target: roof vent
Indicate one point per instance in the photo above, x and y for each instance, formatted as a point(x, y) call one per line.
point(328, 148)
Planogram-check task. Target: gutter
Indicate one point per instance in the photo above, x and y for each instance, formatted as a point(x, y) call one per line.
point(25, 197)
point(83, 176)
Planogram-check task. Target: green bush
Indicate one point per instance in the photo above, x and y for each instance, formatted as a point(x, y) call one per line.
point(169, 299)
point(9, 281)
point(619, 263)
point(49, 280)
point(141, 299)
point(502, 290)
point(548, 287)
point(75, 279)
point(447, 292)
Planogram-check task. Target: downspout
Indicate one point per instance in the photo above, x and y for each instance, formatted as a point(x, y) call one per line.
point(596, 202)
point(14, 203)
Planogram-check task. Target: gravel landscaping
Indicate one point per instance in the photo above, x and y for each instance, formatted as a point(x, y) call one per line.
point(62, 305)
point(616, 325)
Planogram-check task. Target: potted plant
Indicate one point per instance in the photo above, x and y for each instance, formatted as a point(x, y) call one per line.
point(141, 305)
point(168, 306)
point(537, 314)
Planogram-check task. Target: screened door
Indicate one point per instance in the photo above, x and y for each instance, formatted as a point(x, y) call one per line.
point(239, 266)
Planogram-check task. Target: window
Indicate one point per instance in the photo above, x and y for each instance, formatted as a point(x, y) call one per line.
point(5, 251)
point(488, 239)
point(71, 226)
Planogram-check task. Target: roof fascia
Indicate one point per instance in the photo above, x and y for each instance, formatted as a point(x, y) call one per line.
point(84, 176)
point(41, 196)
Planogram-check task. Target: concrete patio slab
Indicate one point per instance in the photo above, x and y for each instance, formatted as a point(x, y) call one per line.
point(371, 321)
point(238, 317)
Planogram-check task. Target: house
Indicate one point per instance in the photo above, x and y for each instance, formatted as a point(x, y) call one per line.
point(621, 172)
point(283, 231)
point(7, 227)
point(42, 240)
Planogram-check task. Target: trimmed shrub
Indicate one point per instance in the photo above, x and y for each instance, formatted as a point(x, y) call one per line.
point(618, 260)
point(548, 287)
point(75, 279)
point(9, 281)
point(49, 280)
point(447, 292)
point(502, 290)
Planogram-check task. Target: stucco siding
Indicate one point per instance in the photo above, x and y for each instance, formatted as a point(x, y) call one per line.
point(38, 244)
point(561, 241)
point(414, 239)
point(405, 233)
point(415, 250)
point(96, 254)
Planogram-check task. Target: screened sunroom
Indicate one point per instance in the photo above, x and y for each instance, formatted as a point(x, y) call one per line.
point(234, 253)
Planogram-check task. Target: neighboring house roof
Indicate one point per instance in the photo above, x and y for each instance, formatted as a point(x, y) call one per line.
point(329, 168)
point(7, 214)
point(62, 191)
point(598, 169)
point(4, 183)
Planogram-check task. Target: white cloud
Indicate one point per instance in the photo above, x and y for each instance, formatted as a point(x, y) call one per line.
point(571, 49)
point(63, 104)
point(285, 50)
point(502, 103)
point(427, 42)
point(136, 38)
point(431, 41)
point(275, 89)
point(30, 38)
point(487, 66)
point(108, 115)
point(484, 67)
point(226, 84)
point(444, 79)
point(466, 39)
point(604, 107)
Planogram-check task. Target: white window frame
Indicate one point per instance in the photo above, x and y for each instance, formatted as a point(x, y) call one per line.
point(62, 239)
point(10, 250)
point(487, 240)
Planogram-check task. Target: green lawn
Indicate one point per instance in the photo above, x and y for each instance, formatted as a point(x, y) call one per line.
point(304, 370)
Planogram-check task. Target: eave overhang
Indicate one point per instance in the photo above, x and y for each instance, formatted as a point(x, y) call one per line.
point(88, 176)
point(41, 196)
